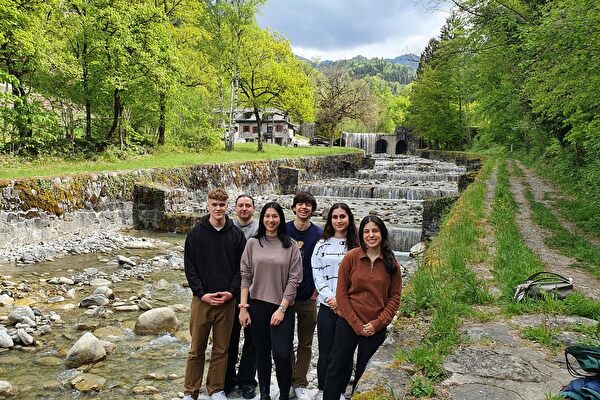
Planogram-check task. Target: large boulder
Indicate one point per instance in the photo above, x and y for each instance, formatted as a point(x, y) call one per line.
point(158, 320)
point(87, 350)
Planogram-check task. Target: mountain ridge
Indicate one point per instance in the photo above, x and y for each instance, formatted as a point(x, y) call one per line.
point(408, 59)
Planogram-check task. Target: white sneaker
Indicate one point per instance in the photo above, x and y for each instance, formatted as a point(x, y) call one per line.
point(342, 397)
point(188, 397)
point(218, 396)
point(302, 393)
point(319, 395)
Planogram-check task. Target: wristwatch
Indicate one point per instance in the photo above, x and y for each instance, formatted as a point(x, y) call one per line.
point(282, 309)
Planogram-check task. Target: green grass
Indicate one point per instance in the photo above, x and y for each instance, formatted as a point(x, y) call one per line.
point(543, 335)
point(444, 289)
point(583, 212)
point(11, 167)
point(514, 260)
point(564, 241)
point(581, 183)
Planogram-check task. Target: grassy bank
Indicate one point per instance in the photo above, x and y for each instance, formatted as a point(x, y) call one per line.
point(11, 167)
point(515, 262)
point(444, 289)
point(445, 292)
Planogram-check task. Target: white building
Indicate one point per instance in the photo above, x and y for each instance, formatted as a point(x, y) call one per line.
point(276, 126)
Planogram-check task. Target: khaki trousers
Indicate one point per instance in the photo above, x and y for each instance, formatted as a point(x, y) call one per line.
point(306, 312)
point(203, 318)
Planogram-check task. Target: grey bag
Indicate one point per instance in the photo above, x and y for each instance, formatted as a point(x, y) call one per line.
point(542, 284)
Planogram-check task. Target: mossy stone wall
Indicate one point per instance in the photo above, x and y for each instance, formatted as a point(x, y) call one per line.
point(37, 209)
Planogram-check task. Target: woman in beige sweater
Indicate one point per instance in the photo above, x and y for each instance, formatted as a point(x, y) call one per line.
point(271, 268)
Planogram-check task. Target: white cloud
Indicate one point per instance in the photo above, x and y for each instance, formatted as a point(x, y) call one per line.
point(335, 29)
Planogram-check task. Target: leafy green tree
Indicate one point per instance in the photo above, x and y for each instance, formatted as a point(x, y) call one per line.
point(22, 49)
point(393, 107)
point(562, 79)
point(340, 97)
point(270, 75)
point(228, 20)
point(440, 96)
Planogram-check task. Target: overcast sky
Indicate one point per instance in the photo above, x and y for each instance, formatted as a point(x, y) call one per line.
point(342, 29)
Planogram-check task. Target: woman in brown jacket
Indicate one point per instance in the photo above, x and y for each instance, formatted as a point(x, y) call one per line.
point(368, 297)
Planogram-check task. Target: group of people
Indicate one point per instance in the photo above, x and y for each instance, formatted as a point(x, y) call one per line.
point(266, 275)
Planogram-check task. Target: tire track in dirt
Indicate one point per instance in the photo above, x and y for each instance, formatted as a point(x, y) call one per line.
point(534, 236)
point(546, 193)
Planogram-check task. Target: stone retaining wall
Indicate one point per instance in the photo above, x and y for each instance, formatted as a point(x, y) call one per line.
point(472, 162)
point(38, 209)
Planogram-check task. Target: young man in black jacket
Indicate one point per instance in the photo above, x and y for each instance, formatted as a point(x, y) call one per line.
point(212, 267)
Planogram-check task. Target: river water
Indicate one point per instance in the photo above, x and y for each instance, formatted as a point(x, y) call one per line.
point(40, 371)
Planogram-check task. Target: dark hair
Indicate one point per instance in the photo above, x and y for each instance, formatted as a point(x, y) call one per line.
point(242, 196)
point(304, 197)
point(387, 253)
point(351, 235)
point(286, 241)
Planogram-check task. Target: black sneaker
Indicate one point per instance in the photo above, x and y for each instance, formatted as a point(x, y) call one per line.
point(248, 391)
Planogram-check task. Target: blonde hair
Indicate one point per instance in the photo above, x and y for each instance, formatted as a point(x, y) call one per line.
point(218, 194)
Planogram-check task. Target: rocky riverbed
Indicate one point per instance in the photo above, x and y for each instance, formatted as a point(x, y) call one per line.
point(68, 323)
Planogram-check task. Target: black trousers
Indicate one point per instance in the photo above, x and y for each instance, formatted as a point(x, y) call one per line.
point(247, 368)
point(346, 342)
point(326, 322)
point(277, 340)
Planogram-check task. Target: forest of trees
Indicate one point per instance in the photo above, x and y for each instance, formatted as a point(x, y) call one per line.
point(520, 74)
point(89, 76)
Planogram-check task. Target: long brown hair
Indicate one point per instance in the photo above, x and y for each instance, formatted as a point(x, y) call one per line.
point(351, 235)
point(389, 260)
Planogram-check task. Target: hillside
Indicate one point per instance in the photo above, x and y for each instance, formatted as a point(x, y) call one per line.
point(401, 69)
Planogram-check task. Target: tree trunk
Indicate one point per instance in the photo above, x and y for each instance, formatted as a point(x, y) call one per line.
point(23, 123)
point(86, 91)
point(161, 123)
point(117, 113)
point(259, 124)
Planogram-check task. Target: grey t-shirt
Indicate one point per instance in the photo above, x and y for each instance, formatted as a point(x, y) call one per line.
point(249, 230)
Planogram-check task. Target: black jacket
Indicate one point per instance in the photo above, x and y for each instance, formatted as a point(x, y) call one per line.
point(212, 258)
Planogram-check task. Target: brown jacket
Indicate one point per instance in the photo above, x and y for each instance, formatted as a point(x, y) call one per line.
point(366, 292)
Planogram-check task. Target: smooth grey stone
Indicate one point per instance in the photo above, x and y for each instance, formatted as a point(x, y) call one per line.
point(55, 299)
point(122, 260)
point(19, 313)
point(482, 392)
point(94, 300)
point(25, 337)
point(5, 340)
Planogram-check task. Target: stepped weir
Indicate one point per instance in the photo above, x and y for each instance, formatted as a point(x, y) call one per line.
point(396, 189)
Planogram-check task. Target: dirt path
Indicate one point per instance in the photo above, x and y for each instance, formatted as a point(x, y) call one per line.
point(546, 193)
point(534, 236)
